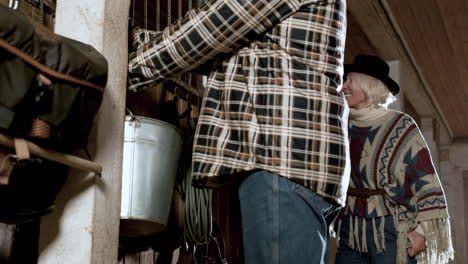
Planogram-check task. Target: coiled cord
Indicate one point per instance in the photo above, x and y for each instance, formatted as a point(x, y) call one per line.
point(198, 207)
point(198, 212)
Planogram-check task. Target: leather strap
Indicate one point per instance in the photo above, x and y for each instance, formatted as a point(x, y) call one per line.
point(364, 192)
point(22, 150)
point(6, 167)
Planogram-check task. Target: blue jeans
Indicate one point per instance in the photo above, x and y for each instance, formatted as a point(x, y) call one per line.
point(282, 221)
point(346, 255)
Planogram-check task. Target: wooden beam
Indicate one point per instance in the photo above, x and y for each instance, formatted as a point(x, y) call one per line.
point(85, 226)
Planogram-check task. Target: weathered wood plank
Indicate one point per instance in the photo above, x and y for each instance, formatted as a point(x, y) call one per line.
point(90, 206)
point(6, 241)
point(147, 257)
point(435, 32)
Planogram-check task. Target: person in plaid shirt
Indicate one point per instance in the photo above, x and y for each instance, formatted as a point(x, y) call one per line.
point(272, 118)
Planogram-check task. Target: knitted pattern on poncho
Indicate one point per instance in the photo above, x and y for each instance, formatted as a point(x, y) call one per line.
point(389, 152)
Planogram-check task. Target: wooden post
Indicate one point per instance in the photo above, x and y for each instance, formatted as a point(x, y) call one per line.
point(85, 225)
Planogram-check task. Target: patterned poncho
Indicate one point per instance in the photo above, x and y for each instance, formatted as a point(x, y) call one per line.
point(388, 152)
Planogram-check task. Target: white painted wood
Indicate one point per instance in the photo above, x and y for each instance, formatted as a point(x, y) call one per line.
point(452, 181)
point(465, 180)
point(453, 175)
point(395, 73)
point(85, 226)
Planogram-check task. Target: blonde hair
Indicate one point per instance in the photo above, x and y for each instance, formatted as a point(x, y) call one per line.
point(376, 91)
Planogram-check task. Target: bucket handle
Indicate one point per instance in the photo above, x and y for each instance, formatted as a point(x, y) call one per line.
point(130, 113)
point(133, 119)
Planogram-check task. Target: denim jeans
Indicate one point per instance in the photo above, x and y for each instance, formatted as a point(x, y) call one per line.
point(282, 221)
point(347, 255)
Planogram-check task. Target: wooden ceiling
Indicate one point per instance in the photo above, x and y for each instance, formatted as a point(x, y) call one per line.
point(428, 36)
point(431, 36)
point(437, 33)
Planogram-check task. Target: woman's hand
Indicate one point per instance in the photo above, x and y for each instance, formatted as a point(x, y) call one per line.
point(418, 243)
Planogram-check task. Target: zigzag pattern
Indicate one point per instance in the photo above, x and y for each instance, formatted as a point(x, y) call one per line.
point(391, 142)
point(433, 201)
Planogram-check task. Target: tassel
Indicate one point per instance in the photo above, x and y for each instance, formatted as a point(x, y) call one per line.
point(351, 234)
point(356, 233)
point(382, 233)
point(402, 253)
point(402, 229)
point(339, 234)
point(364, 235)
point(439, 248)
point(376, 237)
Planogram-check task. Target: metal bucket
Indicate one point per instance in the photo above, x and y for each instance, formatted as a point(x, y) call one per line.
point(150, 157)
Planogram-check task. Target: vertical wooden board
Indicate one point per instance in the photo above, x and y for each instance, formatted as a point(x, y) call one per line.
point(163, 15)
point(233, 246)
point(133, 258)
point(185, 6)
point(145, 102)
point(91, 207)
point(138, 15)
point(25, 243)
point(6, 241)
point(465, 190)
point(226, 213)
point(147, 257)
point(184, 257)
point(106, 213)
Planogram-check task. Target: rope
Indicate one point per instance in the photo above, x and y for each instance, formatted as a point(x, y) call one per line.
point(198, 208)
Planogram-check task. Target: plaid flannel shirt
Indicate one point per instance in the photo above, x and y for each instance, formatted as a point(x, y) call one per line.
point(272, 99)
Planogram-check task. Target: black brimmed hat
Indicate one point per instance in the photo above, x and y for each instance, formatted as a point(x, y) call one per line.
point(375, 67)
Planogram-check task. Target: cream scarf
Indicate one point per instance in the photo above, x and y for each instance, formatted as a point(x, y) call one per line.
point(367, 113)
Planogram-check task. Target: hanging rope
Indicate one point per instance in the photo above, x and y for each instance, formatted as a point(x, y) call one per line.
point(198, 212)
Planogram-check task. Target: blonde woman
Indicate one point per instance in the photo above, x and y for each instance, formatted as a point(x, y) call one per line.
point(396, 209)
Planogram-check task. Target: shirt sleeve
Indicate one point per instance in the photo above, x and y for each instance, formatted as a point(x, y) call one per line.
point(203, 34)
